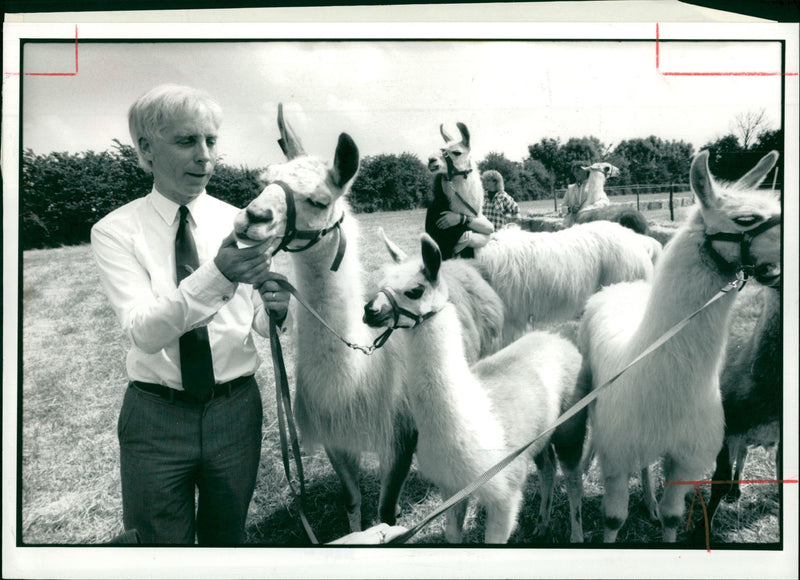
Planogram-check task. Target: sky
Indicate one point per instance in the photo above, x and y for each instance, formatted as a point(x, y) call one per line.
point(391, 96)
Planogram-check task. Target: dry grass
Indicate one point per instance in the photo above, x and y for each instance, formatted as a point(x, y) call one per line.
point(72, 388)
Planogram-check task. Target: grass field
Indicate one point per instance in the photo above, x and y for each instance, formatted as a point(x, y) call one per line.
point(74, 378)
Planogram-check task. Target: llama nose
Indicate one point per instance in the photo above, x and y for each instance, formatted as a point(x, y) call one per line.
point(264, 217)
point(372, 314)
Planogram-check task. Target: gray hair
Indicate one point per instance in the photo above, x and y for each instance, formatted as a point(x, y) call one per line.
point(159, 106)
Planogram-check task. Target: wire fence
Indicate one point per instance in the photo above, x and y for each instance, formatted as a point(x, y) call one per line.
point(680, 194)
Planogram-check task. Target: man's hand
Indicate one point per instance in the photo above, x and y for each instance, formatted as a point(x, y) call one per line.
point(448, 219)
point(275, 297)
point(245, 265)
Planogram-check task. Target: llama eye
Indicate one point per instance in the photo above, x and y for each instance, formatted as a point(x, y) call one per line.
point(747, 220)
point(415, 293)
point(456, 153)
point(317, 204)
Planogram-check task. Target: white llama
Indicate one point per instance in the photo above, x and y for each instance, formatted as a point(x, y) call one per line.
point(668, 405)
point(547, 276)
point(469, 418)
point(345, 401)
point(586, 200)
point(462, 179)
point(588, 193)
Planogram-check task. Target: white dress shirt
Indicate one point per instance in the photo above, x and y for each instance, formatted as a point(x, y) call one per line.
point(134, 246)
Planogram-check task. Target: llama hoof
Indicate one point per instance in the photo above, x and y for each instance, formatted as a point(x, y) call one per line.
point(733, 494)
point(542, 533)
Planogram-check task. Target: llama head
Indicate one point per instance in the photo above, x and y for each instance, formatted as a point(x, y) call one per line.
point(605, 169)
point(742, 224)
point(411, 289)
point(453, 158)
point(304, 190)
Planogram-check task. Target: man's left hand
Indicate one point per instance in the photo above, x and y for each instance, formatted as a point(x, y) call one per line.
point(275, 296)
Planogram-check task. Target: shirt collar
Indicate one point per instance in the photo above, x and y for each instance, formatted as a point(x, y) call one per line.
point(168, 209)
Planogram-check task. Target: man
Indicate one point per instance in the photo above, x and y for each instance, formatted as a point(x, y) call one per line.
point(498, 206)
point(187, 297)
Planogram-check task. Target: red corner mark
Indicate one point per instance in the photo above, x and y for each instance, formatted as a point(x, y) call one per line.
point(55, 74)
point(698, 493)
point(713, 74)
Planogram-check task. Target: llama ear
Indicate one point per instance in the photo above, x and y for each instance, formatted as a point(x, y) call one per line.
point(445, 135)
point(431, 258)
point(289, 142)
point(756, 175)
point(464, 134)
point(397, 254)
point(345, 162)
point(700, 179)
point(586, 167)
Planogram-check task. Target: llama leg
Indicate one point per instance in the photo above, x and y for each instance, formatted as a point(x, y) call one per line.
point(454, 532)
point(615, 505)
point(649, 493)
point(395, 475)
point(568, 441)
point(546, 471)
point(722, 472)
point(501, 518)
point(346, 466)
point(673, 500)
point(735, 491)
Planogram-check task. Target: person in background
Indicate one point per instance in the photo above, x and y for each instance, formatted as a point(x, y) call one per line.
point(187, 298)
point(498, 206)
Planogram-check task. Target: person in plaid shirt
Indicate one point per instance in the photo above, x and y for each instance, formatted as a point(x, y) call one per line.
point(498, 206)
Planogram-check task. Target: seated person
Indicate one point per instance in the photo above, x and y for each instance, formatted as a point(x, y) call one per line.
point(455, 233)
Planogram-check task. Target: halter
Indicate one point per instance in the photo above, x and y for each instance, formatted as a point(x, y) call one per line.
point(453, 172)
point(313, 236)
point(746, 262)
point(397, 310)
point(451, 168)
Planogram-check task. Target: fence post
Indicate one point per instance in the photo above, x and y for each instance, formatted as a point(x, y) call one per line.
point(637, 197)
point(671, 211)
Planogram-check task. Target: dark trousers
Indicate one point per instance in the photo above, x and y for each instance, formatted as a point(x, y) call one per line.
point(167, 449)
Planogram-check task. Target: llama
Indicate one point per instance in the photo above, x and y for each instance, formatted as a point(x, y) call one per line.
point(547, 276)
point(469, 418)
point(751, 386)
point(669, 405)
point(345, 401)
point(461, 177)
point(457, 187)
point(586, 200)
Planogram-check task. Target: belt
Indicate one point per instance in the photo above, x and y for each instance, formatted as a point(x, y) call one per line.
point(176, 395)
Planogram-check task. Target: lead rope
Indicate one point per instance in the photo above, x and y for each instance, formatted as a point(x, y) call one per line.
point(285, 416)
point(284, 403)
point(738, 283)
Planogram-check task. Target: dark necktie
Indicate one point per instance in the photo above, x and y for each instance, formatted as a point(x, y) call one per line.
point(197, 371)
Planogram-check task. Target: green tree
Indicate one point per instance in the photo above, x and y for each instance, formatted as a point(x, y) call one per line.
point(726, 157)
point(390, 182)
point(547, 152)
point(237, 186)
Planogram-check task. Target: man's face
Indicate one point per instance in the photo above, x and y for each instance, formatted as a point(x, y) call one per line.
point(183, 157)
